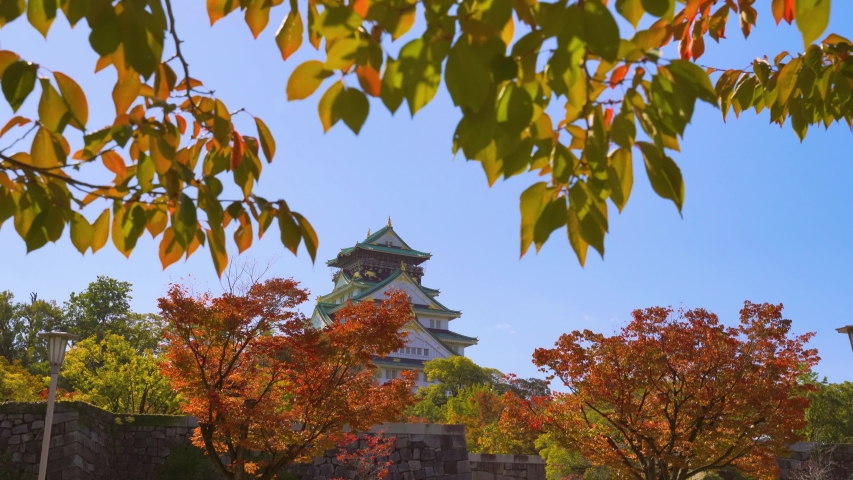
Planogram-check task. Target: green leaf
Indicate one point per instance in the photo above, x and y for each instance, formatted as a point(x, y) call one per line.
point(664, 174)
point(421, 73)
point(631, 10)
point(75, 10)
point(267, 140)
point(329, 114)
point(338, 21)
point(467, 79)
point(10, 10)
point(342, 54)
point(392, 82)
point(659, 8)
point(41, 14)
point(514, 109)
point(696, 77)
point(53, 112)
point(289, 35)
point(533, 203)
point(577, 242)
point(74, 98)
point(353, 108)
point(216, 244)
point(601, 31)
point(106, 33)
point(142, 36)
point(787, 80)
point(306, 79)
point(812, 18)
point(19, 79)
point(185, 221)
point(309, 236)
point(291, 233)
point(592, 215)
point(813, 57)
point(145, 173)
point(81, 232)
point(620, 176)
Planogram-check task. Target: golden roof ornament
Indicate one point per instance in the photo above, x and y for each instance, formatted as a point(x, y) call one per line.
point(402, 266)
point(368, 232)
point(389, 220)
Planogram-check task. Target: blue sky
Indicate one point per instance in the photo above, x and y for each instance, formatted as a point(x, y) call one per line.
point(765, 218)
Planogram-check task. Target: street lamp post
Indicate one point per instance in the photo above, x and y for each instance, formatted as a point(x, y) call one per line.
point(849, 331)
point(56, 343)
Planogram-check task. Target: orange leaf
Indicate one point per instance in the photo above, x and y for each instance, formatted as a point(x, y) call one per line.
point(360, 7)
point(236, 150)
point(16, 121)
point(369, 80)
point(618, 75)
point(170, 250)
point(114, 163)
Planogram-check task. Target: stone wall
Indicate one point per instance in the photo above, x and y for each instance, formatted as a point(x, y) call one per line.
point(89, 443)
point(506, 467)
point(421, 452)
point(815, 460)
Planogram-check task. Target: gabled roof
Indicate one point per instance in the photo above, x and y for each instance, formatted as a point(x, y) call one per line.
point(370, 244)
point(400, 273)
point(447, 335)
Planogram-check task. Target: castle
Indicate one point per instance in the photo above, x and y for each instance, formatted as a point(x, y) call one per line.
point(383, 262)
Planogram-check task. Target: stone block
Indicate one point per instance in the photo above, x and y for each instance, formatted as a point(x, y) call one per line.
point(408, 476)
point(403, 467)
point(416, 454)
point(341, 472)
point(414, 465)
point(14, 440)
point(22, 428)
point(462, 466)
point(401, 443)
point(405, 454)
point(158, 434)
point(432, 441)
point(419, 474)
point(427, 454)
point(429, 471)
point(450, 468)
point(327, 469)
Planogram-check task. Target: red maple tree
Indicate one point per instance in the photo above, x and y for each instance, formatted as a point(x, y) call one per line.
point(266, 387)
point(676, 393)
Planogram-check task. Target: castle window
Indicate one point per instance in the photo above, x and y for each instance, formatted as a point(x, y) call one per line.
point(419, 351)
point(426, 352)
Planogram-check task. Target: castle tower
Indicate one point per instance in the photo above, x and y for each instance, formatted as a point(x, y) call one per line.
point(382, 262)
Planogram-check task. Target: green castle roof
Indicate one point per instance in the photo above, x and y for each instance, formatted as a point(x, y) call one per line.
point(369, 245)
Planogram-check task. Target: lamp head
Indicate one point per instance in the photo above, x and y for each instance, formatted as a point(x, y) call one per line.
point(849, 331)
point(56, 343)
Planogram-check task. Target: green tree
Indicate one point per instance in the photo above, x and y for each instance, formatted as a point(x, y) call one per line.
point(112, 374)
point(104, 307)
point(830, 415)
point(20, 324)
point(17, 384)
point(552, 88)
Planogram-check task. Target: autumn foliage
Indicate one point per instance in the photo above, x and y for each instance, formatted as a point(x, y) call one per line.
point(266, 387)
point(676, 393)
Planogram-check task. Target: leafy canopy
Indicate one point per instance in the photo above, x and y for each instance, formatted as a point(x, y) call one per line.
point(552, 88)
point(260, 379)
point(676, 393)
point(111, 374)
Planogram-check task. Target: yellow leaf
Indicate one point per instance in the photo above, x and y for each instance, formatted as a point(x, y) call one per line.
point(305, 79)
point(289, 35)
point(196, 242)
point(157, 220)
point(217, 9)
point(508, 32)
point(41, 14)
point(46, 151)
point(257, 16)
point(329, 114)
point(126, 90)
point(81, 232)
point(100, 230)
point(170, 250)
point(243, 235)
point(74, 98)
